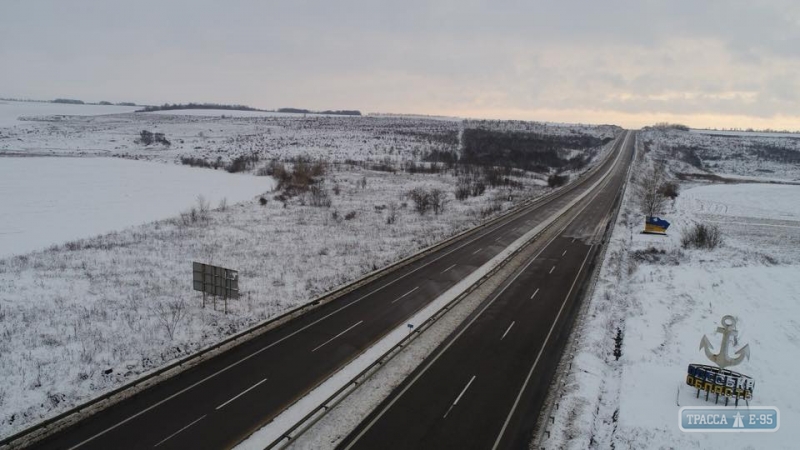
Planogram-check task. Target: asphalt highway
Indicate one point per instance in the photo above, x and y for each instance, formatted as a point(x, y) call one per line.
point(222, 400)
point(484, 387)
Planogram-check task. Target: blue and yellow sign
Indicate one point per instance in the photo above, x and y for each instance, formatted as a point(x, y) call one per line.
point(655, 225)
point(720, 381)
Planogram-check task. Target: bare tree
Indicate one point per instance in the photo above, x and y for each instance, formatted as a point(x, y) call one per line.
point(650, 191)
point(170, 314)
point(203, 206)
point(438, 200)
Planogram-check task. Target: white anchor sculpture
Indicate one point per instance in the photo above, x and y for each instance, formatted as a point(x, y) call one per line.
point(728, 330)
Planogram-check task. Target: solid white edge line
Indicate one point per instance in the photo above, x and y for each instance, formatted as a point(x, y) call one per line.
point(534, 293)
point(445, 270)
point(176, 433)
point(242, 393)
point(402, 296)
point(536, 361)
point(508, 329)
point(455, 338)
point(541, 350)
point(331, 339)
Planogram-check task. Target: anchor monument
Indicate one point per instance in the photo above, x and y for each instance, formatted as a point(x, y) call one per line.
point(720, 380)
point(729, 331)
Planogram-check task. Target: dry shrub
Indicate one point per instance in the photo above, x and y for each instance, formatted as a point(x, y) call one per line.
point(702, 236)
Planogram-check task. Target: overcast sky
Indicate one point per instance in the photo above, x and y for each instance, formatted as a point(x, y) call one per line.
point(704, 63)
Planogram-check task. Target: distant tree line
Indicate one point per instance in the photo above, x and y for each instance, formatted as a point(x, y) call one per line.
point(337, 112)
point(177, 106)
point(670, 126)
point(523, 150)
point(69, 101)
point(174, 106)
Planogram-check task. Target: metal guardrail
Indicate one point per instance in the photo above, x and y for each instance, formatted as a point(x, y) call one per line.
point(305, 423)
point(73, 415)
point(311, 418)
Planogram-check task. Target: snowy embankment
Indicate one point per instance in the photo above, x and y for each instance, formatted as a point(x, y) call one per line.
point(662, 299)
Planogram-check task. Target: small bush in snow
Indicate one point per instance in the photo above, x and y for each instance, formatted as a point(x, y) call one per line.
point(145, 137)
point(702, 236)
point(469, 186)
point(319, 196)
point(555, 180)
point(242, 163)
point(203, 206)
point(421, 199)
point(670, 189)
point(262, 201)
point(350, 216)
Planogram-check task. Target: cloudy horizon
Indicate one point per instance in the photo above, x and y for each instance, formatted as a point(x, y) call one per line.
point(707, 64)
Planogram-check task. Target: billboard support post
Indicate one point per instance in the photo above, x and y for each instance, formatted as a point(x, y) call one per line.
point(217, 281)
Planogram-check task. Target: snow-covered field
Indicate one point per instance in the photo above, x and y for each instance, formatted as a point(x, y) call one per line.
point(85, 316)
point(54, 200)
point(11, 111)
point(745, 133)
point(754, 155)
point(227, 113)
point(663, 299)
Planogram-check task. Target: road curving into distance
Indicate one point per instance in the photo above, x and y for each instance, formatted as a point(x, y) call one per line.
point(484, 387)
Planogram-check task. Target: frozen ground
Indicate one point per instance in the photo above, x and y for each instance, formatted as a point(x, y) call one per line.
point(54, 200)
point(767, 155)
point(663, 303)
point(82, 317)
point(746, 133)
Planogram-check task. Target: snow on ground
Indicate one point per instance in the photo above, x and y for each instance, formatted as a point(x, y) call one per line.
point(745, 133)
point(83, 317)
point(776, 156)
point(664, 298)
point(281, 424)
point(10, 111)
point(227, 113)
point(89, 196)
point(74, 311)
